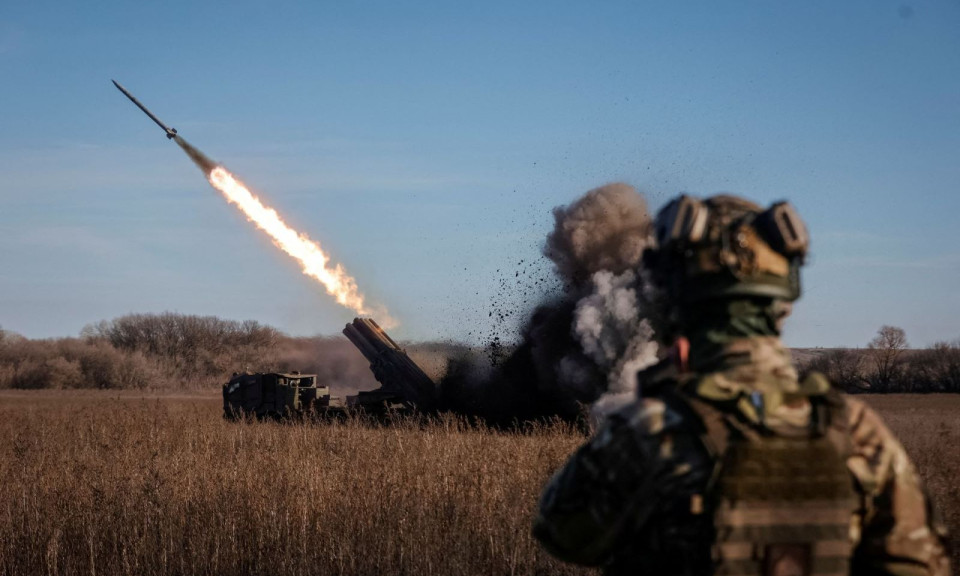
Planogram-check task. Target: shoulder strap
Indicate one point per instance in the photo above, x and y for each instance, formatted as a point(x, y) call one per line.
point(716, 433)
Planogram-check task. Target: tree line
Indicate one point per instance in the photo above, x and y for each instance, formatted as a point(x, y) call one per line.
point(175, 352)
point(889, 365)
point(184, 352)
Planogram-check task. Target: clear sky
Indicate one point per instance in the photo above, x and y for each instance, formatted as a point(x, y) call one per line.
point(424, 143)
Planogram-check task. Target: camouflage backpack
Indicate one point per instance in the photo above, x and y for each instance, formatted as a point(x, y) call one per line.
point(782, 497)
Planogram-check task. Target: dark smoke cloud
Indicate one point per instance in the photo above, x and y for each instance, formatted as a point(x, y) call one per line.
point(585, 344)
point(606, 229)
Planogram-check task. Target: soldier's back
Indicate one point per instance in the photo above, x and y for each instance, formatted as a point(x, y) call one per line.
point(702, 477)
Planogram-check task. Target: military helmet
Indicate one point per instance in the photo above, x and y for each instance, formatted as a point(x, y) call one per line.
point(725, 246)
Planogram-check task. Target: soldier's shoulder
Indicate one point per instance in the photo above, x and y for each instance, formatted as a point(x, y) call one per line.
point(866, 426)
point(877, 456)
point(907, 528)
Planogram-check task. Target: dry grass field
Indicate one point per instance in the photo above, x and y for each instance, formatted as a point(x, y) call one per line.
point(108, 483)
point(928, 425)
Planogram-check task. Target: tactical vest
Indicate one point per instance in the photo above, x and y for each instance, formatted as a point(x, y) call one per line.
point(782, 499)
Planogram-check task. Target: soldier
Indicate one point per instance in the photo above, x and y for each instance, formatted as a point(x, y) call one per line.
point(728, 462)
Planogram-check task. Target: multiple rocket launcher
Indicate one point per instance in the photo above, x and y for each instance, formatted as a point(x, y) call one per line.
point(401, 379)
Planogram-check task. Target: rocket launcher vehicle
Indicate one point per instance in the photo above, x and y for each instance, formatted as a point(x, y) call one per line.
point(404, 386)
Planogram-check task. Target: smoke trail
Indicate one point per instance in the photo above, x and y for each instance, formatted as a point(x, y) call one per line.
point(205, 164)
point(313, 261)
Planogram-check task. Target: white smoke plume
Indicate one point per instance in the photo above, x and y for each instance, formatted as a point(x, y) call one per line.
point(612, 331)
point(597, 245)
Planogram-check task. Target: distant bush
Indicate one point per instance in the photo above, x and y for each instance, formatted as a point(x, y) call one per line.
point(937, 369)
point(56, 372)
point(202, 345)
point(174, 351)
point(843, 367)
point(72, 363)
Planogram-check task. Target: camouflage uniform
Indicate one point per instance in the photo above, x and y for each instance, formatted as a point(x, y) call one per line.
point(731, 422)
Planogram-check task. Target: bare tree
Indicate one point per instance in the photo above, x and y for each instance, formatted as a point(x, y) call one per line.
point(886, 350)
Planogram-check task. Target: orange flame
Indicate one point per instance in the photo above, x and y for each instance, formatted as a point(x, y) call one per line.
point(314, 262)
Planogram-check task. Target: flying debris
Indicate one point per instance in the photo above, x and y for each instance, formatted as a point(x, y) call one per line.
point(171, 132)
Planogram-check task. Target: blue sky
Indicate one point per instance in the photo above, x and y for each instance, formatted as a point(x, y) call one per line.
point(424, 144)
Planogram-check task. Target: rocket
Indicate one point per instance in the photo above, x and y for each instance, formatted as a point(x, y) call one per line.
point(171, 132)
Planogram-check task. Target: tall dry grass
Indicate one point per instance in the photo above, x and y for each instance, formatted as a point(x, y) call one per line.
point(928, 426)
point(105, 485)
point(101, 483)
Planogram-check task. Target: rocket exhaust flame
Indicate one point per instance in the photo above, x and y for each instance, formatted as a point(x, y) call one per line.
point(314, 262)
